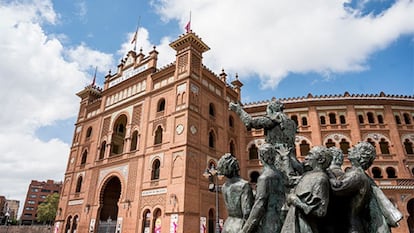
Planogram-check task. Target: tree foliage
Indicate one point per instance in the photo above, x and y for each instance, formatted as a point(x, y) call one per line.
point(46, 211)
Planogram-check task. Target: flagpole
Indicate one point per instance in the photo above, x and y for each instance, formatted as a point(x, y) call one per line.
point(136, 34)
point(188, 26)
point(94, 77)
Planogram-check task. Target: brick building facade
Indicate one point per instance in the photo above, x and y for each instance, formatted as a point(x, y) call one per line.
point(12, 207)
point(142, 143)
point(2, 209)
point(36, 194)
point(8, 210)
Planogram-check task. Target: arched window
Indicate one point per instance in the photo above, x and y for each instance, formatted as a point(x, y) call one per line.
point(376, 172)
point(295, 119)
point(146, 221)
point(397, 120)
point(212, 164)
point(79, 184)
point(322, 120)
point(232, 148)
point(304, 121)
point(134, 140)
point(330, 143)
point(408, 147)
point(212, 110)
point(384, 147)
point(369, 140)
point(118, 135)
point(89, 132)
point(304, 148)
point(155, 172)
point(344, 145)
point(253, 152)
point(370, 117)
point(391, 172)
point(361, 119)
point(332, 118)
point(407, 119)
point(342, 119)
point(84, 157)
point(158, 136)
point(231, 121)
point(380, 119)
point(211, 139)
point(102, 150)
point(161, 105)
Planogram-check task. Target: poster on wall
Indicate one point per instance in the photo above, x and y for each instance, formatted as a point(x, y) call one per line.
point(174, 223)
point(157, 228)
point(57, 227)
point(119, 225)
point(203, 225)
point(92, 226)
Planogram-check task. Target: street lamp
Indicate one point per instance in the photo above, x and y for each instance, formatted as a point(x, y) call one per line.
point(213, 176)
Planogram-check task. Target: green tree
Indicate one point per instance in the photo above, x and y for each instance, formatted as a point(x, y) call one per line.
point(46, 212)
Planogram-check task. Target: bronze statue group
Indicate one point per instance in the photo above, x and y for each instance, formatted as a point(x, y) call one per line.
point(313, 196)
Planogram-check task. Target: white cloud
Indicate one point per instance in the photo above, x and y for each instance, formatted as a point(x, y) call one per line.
point(35, 77)
point(39, 75)
point(39, 79)
point(271, 39)
point(87, 58)
point(19, 166)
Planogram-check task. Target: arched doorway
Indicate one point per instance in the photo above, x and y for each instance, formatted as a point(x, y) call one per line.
point(211, 221)
point(108, 213)
point(74, 224)
point(157, 221)
point(146, 221)
point(68, 223)
point(410, 219)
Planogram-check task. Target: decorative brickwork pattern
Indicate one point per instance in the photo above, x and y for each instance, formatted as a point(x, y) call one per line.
point(105, 127)
point(132, 180)
point(153, 200)
point(182, 63)
point(136, 115)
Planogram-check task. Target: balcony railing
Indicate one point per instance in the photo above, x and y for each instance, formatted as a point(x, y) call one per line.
point(396, 183)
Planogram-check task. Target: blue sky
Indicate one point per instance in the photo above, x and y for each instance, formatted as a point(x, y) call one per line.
point(278, 48)
point(93, 26)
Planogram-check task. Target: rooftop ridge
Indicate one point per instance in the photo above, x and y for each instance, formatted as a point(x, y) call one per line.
point(166, 66)
point(346, 95)
point(209, 70)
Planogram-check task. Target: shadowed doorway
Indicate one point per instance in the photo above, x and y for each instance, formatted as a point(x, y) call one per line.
point(109, 206)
